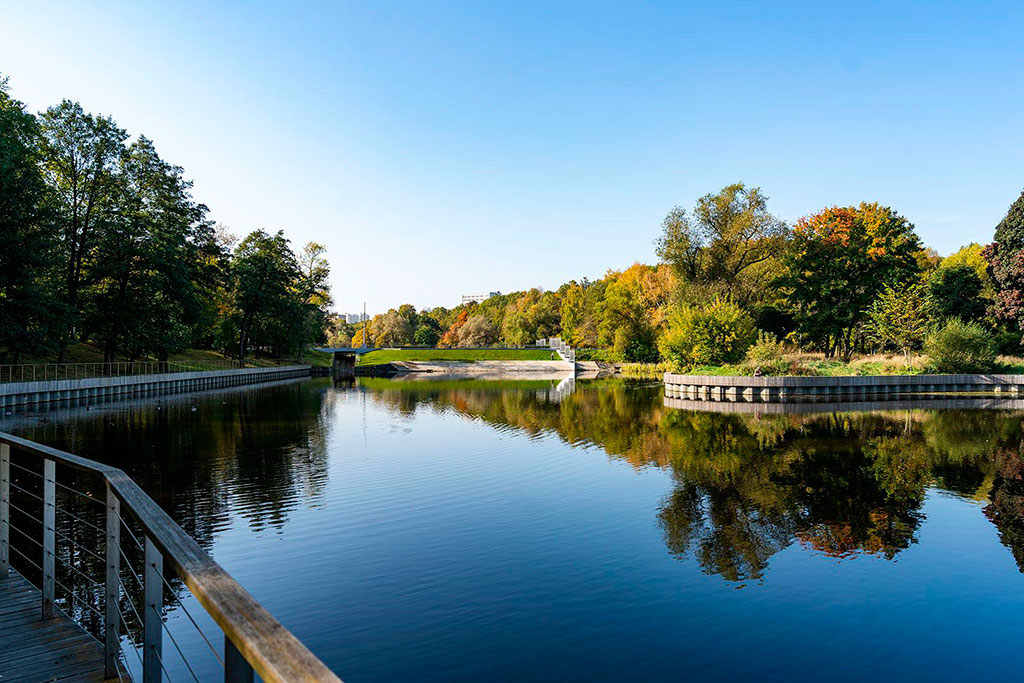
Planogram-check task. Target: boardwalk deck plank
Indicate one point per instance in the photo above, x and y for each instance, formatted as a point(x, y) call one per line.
point(35, 650)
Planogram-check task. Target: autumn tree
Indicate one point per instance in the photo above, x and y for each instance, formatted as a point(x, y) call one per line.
point(478, 332)
point(841, 259)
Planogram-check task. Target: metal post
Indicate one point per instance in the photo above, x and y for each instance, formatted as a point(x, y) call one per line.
point(236, 669)
point(5, 510)
point(49, 533)
point(152, 638)
point(112, 640)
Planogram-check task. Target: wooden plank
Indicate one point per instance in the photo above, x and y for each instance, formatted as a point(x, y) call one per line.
point(33, 649)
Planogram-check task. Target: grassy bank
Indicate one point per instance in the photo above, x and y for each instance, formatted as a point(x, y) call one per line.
point(816, 365)
point(463, 355)
point(202, 359)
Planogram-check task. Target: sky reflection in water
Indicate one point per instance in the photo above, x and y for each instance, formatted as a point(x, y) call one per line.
point(440, 530)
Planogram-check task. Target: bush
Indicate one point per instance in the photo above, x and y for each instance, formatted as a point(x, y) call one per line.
point(713, 334)
point(960, 347)
point(768, 353)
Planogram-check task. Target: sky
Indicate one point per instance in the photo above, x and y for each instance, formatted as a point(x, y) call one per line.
point(448, 148)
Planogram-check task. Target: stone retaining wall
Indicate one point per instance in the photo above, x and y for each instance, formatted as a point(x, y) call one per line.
point(26, 393)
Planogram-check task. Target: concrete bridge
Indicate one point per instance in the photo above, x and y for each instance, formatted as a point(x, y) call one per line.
point(343, 363)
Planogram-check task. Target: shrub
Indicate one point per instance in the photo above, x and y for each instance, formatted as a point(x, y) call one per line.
point(768, 353)
point(713, 334)
point(960, 347)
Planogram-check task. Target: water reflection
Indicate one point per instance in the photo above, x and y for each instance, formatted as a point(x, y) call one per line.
point(750, 485)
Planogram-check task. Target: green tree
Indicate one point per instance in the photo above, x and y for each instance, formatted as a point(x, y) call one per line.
point(957, 292)
point(899, 319)
point(139, 292)
point(712, 334)
point(81, 153)
point(839, 261)
point(729, 247)
point(28, 314)
point(263, 271)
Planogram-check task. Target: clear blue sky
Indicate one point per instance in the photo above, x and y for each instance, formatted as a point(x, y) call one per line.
point(441, 148)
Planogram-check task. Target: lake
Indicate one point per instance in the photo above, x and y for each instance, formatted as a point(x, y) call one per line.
point(467, 530)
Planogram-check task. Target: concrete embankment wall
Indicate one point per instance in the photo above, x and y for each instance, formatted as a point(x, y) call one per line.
point(480, 367)
point(714, 388)
point(27, 393)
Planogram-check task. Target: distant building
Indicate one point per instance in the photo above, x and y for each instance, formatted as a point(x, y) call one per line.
point(353, 318)
point(478, 298)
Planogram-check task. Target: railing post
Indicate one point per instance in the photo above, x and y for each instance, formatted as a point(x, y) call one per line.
point(154, 594)
point(236, 669)
point(112, 637)
point(5, 510)
point(49, 533)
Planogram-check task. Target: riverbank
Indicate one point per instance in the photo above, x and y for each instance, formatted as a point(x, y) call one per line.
point(385, 356)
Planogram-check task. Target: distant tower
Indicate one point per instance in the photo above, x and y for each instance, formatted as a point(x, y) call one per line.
point(366, 321)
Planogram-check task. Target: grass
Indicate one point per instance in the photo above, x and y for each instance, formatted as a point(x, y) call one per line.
point(816, 365)
point(201, 358)
point(463, 355)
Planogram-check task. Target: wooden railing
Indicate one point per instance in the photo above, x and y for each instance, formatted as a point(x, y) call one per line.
point(253, 641)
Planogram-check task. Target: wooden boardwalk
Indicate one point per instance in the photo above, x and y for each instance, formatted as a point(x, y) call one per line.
point(35, 650)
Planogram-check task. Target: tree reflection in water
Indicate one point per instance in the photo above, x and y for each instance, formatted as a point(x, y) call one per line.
point(747, 486)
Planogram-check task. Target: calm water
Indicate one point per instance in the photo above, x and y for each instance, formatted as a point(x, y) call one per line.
point(498, 531)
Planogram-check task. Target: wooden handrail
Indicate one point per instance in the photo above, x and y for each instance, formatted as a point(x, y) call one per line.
point(270, 648)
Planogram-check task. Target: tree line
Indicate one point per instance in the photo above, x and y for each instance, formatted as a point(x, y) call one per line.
point(101, 241)
point(840, 280)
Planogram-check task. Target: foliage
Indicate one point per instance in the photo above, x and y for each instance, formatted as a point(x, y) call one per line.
point(478, 331)
point(970, 255)
point(840, 261)
point(899, 319)
point(464, 355)
point(426, 335)
point(729, 247)
point(960, 347)
point(767, 354)
point(28, 312)
point(1006, 260)
point(956, 291)
point(716, 333)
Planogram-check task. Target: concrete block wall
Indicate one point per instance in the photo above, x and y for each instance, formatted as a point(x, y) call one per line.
point(28, 393)
point(781, 389)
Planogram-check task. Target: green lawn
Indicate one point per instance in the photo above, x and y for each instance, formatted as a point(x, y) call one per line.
point(463, 355)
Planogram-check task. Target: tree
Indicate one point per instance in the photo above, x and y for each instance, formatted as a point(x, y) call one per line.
point(840, 260)
point(478, 332)
point(28, 314)
point(957, 292)
point(712, 334)
point(139, 292)
point(730, 247)
point(426, 335)
point(80, 157)
point(971, 256)
point(899, 319)
point(1006, 258)
point(392, 329)
point(263, 269)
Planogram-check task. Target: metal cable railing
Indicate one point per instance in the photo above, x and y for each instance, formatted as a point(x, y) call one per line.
point(42, 372)
point(83, 558)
